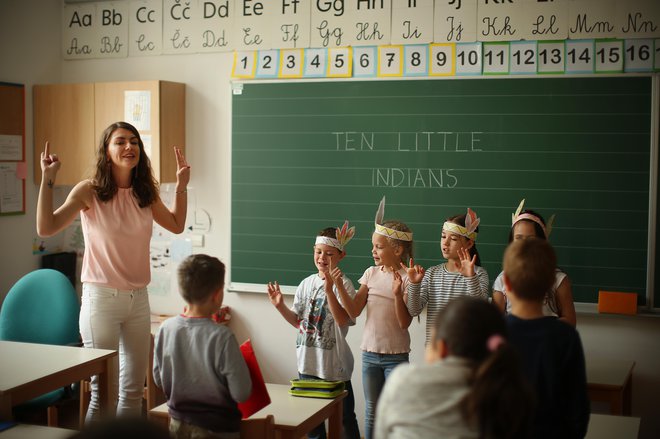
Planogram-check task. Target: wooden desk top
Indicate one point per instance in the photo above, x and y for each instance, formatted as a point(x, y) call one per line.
point(608, 373)
point(23, 431)
point(291, 410)
point(23, 363)
point(612, 427)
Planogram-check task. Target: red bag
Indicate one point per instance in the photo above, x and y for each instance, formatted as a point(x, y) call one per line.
point(259, 397)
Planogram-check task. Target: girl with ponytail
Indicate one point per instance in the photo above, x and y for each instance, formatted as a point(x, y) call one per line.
point(471, 386)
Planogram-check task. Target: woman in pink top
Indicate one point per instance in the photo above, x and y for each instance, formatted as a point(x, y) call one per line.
point(117, 207)
point(385, 340)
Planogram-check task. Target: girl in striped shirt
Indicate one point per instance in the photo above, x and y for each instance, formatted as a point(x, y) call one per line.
point(461, 275)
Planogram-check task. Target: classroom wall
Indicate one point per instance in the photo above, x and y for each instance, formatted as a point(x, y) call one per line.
point(33, 56)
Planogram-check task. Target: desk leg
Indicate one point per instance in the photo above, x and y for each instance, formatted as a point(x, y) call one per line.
point(626, 405)
point(335, 422)
point(5, 408)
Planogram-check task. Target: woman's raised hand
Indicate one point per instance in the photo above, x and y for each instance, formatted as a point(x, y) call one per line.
point(50, 163)
point(465, 263)
point(182, 169)
point(415, 272)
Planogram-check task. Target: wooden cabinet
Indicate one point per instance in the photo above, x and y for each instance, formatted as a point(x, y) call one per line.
point(73, 117)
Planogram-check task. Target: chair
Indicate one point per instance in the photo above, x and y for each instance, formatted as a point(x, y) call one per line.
point(258, 428)
point(41, 307)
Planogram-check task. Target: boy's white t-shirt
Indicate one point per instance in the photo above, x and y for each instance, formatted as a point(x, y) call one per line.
point(550, 300)
point(321, 345)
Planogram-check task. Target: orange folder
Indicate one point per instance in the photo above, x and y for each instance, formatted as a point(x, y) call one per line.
point(617, 302)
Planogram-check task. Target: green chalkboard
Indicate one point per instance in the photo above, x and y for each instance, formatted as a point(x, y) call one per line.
point(307, 155)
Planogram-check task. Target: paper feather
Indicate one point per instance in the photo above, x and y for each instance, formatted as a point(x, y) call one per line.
point(344, 234)
point(380, 213)
point(517, 212)
point(471, 221)
point(548, 226)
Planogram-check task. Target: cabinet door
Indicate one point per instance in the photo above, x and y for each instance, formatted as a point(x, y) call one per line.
point(64, 115)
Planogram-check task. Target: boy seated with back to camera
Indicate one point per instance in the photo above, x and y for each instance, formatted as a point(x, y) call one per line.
point(197, 362)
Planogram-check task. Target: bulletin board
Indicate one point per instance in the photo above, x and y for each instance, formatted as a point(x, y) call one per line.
point(13, 168)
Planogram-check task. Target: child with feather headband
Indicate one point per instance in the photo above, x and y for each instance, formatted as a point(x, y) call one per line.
point(461, 275)
point(528, 224)
point(322, 323)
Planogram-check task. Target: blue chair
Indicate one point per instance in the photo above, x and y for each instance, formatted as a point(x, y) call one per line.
point(42, 307)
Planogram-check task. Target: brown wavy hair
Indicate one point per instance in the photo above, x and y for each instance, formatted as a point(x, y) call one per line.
point(143, 183)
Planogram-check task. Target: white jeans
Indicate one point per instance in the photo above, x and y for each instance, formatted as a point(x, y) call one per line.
point(118, 319)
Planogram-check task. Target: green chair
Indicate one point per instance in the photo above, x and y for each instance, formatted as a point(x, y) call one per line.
point(42, 307)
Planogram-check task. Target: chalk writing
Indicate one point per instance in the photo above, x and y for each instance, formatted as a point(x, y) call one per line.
point(409, 141)
point(413, 178)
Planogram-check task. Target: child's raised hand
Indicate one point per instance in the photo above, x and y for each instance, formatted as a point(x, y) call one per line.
point(465, 263)
point(336, 275)
point(275, 294)
point(415, 272)
point(397, 283)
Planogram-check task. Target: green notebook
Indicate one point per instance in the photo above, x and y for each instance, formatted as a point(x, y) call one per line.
point(312, 388)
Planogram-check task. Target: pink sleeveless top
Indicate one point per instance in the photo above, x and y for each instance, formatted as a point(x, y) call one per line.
point(117, 236)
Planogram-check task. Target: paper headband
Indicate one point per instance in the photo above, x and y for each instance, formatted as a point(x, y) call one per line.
point(471, 224)
point(343, 236)
point(386, 231)
point(517, 216)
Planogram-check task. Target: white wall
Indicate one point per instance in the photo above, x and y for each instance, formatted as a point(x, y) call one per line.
point(33, 56)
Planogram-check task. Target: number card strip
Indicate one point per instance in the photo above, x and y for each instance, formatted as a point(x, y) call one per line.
point(638, 55)
point(523, 57)
point(495, 58)
point(551, 57)
point(245, 64)
point(580, 56)
point(267, 63)
point(316, 61)
point(291, 63)
point(468, 58)
point(609, 56)
point(416, 60)
point(340, 62)
point(390, 60)
point(441, 59)
point(365, 61)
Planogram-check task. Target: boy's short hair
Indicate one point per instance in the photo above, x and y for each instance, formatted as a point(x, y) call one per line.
point(200, 276)
point(330, 232)
point(529, 266)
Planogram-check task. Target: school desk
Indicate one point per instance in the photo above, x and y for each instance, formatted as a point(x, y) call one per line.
point(24, 431)
point(294, 416)
point(610, 381)
point(612, 427)
point(30, 370)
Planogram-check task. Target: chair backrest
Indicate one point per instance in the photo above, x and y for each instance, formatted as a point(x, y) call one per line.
point(42, 307)
point(260, 428)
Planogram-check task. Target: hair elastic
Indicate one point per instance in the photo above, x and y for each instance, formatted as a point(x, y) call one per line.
point(494, 342)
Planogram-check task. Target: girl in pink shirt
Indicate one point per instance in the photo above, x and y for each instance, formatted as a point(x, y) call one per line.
point(117, 206)
point(385, 341)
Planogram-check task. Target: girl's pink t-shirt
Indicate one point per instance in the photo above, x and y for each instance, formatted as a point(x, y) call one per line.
point(117, 236)
point(382, 333)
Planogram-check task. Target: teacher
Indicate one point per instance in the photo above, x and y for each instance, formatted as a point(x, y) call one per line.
point(117, 209)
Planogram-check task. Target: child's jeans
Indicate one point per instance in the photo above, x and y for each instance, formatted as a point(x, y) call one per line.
point(375, 370)
point(119, 320)
point(350, 428)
